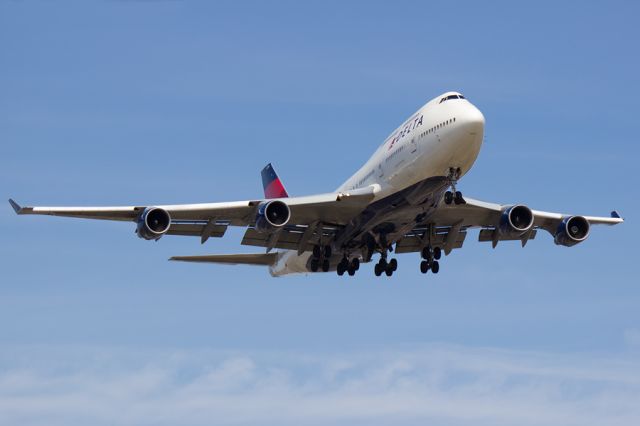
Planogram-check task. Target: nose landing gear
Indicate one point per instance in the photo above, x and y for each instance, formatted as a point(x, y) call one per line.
point(453, 196)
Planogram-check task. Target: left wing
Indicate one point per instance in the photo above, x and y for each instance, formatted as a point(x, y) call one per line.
point(448, 225)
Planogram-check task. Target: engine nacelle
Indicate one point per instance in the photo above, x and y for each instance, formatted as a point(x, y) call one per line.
point(153, 223)
point(571, 231)
point(515, 221)
point(271, 215)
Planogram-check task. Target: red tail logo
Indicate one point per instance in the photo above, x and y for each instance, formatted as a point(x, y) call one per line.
point(271, 183)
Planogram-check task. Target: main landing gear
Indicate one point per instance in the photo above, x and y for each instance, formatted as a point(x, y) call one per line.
point(453, 196)
point(320, 258)
point(348, 266)
point(387, 267)
point(430, 256)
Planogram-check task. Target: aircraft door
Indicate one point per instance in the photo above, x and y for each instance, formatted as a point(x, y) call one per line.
point(413, 145)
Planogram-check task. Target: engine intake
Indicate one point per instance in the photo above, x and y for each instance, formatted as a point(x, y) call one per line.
point(271, 215)
point(153, 223)
point(571, 231)
point(515, 221)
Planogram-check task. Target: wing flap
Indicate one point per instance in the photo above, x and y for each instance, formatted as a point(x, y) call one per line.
point(414, 242)
point(197, 229)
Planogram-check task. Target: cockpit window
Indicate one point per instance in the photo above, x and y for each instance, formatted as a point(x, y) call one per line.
point(451, 97)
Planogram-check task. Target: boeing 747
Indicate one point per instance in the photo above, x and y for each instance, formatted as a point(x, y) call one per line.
point(404, 199)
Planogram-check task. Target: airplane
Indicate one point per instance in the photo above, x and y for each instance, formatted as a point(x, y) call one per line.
point(404, 199)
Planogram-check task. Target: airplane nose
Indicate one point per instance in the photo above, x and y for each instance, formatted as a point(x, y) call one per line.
point(473, 120)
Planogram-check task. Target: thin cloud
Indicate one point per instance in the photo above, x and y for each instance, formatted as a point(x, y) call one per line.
point(442, 384)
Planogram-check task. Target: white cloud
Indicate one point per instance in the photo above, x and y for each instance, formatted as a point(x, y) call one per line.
point(444, 385)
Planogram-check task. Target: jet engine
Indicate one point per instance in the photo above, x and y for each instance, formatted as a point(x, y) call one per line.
point(515, 221)
point(571, 231)
point(271, 215)
point(153, 223)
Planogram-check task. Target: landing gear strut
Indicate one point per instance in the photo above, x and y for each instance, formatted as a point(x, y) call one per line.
point(454, 195)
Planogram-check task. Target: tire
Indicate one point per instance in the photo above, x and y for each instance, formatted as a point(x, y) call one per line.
point(448, 197)
point(437, 253)
point(388, 271)
point(355, 263)
point(424, 266)
point(314, 265)
point(325, 265)
point(435, 267)
point(393, 264)
point(426, 253)
point(351, 271)
point(377, 270)
point(383, 264)
point(458, 198)
point(316, 252)
point(327, 251)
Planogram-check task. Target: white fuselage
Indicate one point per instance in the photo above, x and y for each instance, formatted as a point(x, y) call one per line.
point(447, 132)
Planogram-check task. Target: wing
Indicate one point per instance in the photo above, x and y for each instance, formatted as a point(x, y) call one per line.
point(448, 226)
point(211, 219)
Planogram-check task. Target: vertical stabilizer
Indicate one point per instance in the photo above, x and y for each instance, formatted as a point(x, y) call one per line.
point(271, 183)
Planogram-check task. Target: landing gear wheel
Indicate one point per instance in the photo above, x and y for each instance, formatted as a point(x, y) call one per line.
point(342, 266)
point(458, 198)
point(327, 251)
point(393, 264)
point(325, 265)
point(316, 252)
point(314, 265)
point(424, 266)
point(377, 270)
point(448, 197)
point(355, 264)
point(426, 253)
point(437, 253)
point(435, 267)
point(388, 271)
point(351, 271)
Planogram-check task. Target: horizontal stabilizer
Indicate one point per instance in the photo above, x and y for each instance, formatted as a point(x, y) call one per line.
point(265, 259)
point(16, 206)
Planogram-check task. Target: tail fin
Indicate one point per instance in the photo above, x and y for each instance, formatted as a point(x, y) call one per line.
point(273, 187)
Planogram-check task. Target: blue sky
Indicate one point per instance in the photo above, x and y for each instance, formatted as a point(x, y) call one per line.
point(168, 102)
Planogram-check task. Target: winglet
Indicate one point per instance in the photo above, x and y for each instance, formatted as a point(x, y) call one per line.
point(615, 215)
point(16, 206)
